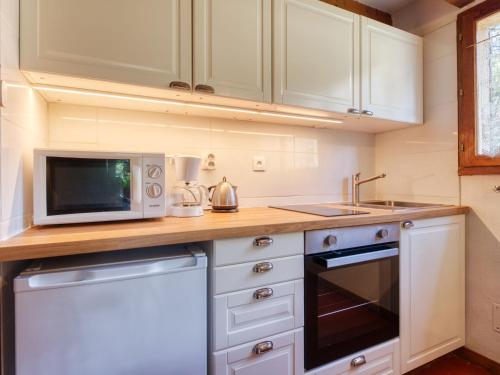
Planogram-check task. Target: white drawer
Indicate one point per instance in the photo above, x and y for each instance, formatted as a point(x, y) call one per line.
point(243, 276)
point(380, 359)
point(285, 358)
point(239, 317)
point(239, 250)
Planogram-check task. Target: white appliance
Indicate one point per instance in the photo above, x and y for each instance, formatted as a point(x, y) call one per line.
point(89, 186)
point(142, 314)
point(188, 197)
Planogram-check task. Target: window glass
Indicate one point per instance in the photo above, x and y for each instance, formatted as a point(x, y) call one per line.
point(488, 86)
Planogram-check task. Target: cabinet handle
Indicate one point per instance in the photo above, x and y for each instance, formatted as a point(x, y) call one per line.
point(178, 85)
point(407, 225)
point(263, 293)
point(358, 361)
point(263, 347)
point(263, 241)
point(496, 189)
point(263, 267)
point(354, 111)
point(206, 89)
point(367, 113)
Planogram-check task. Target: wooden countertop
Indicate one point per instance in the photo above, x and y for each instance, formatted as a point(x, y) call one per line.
point(48, 241)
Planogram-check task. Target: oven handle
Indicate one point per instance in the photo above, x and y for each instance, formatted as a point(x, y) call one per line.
point(358, 258)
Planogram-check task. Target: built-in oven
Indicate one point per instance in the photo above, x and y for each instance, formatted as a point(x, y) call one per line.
point(351, 290)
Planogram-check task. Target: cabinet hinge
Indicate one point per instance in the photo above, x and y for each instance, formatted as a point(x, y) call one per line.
point(461, 92)
point(460, 37)
point(462, 147)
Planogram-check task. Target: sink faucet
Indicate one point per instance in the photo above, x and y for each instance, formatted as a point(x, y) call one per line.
point(356, 182)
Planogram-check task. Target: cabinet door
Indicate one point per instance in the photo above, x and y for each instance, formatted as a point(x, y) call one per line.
point(316, 55)
point(284, 358)
point(241, 317)
point(391, 71)
point(232, 47)
point(432, 290)
point(144, 42)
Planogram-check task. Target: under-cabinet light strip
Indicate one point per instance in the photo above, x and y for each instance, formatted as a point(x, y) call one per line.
point(183, 103)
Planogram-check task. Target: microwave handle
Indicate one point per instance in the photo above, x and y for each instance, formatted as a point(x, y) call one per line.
point(137, 184)
point(358, 258)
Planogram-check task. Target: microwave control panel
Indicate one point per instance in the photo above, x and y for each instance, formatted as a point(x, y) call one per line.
point(153, 166)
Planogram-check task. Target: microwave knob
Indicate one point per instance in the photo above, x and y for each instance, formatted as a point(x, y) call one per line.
point(382, 234)
point(154, 190)
point(154, 171)
point(330, 240)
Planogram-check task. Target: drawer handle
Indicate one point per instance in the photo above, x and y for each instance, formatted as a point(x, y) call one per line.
point(367, 113)
point(358, 361)
point(263, 347)
point(263, 267)
point(178, 85)
point(407, 225)
point(263, 293)
point(263, 241)
point(354, 111)
point(206, 89)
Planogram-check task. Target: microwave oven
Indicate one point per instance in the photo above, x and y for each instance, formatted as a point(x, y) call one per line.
point(92, 186)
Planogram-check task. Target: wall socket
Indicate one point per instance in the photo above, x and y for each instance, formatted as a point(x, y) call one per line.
point(259, 163)
point(496, 317)
point(208, 163)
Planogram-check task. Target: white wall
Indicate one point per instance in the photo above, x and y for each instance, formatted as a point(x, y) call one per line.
point(483, 262)
point(23, 126)
point(426, 157)
point(303, 164)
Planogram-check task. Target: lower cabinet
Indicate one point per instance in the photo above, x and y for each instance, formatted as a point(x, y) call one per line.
point(281, 354)
point(251, 314)
point(256, 308)
point(432, 272)
point(257, 312)
point(380, 359)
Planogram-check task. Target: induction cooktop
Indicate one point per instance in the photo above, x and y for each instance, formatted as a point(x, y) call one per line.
point(320, 210)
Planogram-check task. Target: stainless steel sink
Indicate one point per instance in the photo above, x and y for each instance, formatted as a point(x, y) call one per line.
point(394, 205)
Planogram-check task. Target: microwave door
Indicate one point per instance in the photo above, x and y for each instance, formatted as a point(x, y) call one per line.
point(86, 189)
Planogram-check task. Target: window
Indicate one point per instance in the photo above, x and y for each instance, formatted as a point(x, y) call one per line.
point(479, 89)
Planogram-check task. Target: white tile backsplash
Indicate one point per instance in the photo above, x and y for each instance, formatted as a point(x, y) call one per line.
point(302, 164)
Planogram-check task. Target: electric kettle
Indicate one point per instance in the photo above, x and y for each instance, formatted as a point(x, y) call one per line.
point(224, 198)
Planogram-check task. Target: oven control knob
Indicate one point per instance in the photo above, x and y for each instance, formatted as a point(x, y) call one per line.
point(154, 171)
point(330, 240)
point(382, 233)
point(154, 190)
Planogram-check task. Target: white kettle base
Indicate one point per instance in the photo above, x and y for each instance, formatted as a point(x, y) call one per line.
point(188, 211)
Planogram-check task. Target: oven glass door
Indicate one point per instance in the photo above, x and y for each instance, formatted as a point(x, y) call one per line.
point(84, 185)
point(350, 307)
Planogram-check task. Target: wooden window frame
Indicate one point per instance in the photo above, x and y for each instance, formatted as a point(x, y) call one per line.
point(469, 162)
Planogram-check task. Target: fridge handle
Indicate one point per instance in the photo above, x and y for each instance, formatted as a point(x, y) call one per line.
point(110, 273)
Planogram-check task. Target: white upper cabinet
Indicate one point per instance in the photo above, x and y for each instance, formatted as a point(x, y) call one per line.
point(304, 53)
point(316, 55)
point(391, 71)
point(432, 286)
point(145, 42)
point(232, 48)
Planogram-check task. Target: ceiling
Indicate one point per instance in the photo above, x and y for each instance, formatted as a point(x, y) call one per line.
point(389, 6)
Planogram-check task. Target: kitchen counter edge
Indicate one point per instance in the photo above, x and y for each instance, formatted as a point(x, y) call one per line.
point(49, 241)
